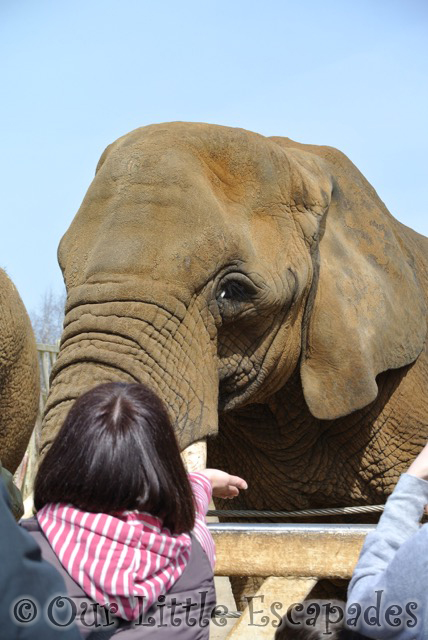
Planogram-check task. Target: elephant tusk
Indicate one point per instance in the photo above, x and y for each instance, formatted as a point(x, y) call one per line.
point(28, 507)
point(195, 456)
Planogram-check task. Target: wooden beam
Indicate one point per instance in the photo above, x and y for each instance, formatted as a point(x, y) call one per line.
point(263, 614)
point(295, 550)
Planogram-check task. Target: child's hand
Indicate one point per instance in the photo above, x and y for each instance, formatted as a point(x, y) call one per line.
point(223, 484)
point(419, 466)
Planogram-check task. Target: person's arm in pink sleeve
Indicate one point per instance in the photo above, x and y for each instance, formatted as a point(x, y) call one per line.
point(207, 483)
point(202, 490)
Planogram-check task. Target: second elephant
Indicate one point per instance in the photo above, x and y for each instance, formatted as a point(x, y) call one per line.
point(19, 376)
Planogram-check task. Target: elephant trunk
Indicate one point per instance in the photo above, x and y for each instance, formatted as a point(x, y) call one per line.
point(138, 342)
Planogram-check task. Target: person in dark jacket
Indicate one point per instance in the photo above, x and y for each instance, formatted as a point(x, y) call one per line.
point(15, 498)
point(124, 523)
point(28, 583)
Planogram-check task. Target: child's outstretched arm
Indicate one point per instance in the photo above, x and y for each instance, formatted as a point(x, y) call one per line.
point(223, 484)
point(205, 483)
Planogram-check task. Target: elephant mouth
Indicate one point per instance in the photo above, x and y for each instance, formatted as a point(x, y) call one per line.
point(235, 386)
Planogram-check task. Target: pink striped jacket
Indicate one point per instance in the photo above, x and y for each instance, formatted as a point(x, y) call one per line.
point(128, 560)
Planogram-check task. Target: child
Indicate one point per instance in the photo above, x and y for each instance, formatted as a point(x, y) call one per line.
point(122, 521)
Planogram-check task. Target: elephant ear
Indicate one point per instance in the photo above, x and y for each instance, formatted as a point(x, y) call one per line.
point(366, 312)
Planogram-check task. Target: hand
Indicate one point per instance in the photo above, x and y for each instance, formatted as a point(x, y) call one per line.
point(419, 466)
point(223, 484)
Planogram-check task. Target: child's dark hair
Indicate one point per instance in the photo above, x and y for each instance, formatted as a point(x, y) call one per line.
point(117, 451)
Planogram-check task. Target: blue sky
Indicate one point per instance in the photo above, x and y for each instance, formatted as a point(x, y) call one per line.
point(76, 75)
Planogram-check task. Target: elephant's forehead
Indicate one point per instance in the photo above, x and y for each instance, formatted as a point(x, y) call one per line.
point(172, 189)
point(177, 191)
point(173, 213)
point(239, 160)
point(170, 231)
point(144, 165)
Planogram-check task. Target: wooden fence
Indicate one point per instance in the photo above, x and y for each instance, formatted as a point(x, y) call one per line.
point(48, 354)
point(291, 558)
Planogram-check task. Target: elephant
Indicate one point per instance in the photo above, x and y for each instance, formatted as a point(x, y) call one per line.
point(19, 376)
point(262, 288)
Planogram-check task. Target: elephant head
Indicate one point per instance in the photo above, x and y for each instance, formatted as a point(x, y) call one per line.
point(212, 263)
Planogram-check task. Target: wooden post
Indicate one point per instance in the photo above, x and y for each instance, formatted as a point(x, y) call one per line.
point(264, 613)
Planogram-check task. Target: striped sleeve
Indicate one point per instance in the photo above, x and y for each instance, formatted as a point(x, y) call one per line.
point(202, 492)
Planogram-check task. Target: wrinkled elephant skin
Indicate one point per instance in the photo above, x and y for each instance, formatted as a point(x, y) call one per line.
point(263, 289)
point(19, 376)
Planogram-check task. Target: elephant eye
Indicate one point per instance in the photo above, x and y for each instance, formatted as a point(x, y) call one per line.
point(235, 291)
